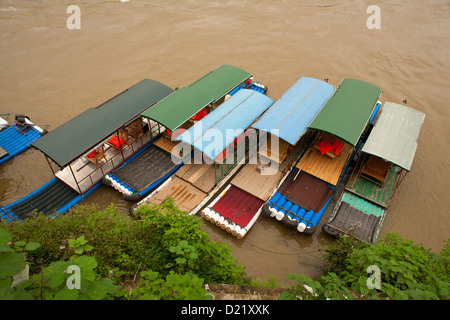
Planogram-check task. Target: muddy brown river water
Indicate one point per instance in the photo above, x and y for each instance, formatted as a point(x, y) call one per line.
point(52, 73)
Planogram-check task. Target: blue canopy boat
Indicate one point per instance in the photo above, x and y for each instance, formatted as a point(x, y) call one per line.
point(218, 151)
point(16, 138)
point(304, 196)
point(282, 140)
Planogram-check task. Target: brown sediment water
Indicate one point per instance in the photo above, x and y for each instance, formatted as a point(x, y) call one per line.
point(52, 74)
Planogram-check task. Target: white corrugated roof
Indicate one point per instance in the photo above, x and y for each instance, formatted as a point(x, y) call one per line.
point(394, 136)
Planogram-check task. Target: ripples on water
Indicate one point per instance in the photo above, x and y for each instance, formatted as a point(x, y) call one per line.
point(52, 74)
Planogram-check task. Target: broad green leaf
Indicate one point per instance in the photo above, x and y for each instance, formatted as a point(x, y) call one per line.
point(87, 275)
point(5, 238)
point(81, 240)
point(66, 294)
point(88, 247)
point(55, 273)
point(20, 243)
point(99, 289)
point(11, 263)
point(32, 246)
point(86, 263)
point(72, 243)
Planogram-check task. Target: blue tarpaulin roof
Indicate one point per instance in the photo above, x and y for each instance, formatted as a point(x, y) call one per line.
point(217, 130)
point(297, 107)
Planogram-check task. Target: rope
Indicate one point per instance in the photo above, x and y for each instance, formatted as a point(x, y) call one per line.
point(353, 226)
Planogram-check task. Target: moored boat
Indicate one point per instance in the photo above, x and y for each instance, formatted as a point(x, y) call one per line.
point(16, 138)
point(219, 150)
point(82, 150)
point(385, 159)
point(303, 197)
point(282, 140)
point(173, 115)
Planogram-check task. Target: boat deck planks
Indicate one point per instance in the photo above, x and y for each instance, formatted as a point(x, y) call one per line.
point(371, 191)
point(199, 175)
point(185, 195)
point(355, 222)
point(252, 181)
point(323, 167)
point(274, 155)
point(165, 143)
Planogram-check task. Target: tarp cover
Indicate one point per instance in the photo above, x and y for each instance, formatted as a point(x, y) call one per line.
point(217, 130)
point(394, 136)
point(347, 112)
point(297, 107)
point(238, 206)
point(185, 102)
point(70, 140)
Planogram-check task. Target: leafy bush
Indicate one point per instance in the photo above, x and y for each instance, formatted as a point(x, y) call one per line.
point(402, 270)
point(174, 287)
point(51, 282)
point(162, 239)
point(179, 244)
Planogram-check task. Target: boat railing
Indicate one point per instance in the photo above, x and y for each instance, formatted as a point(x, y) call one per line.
point(113, 159)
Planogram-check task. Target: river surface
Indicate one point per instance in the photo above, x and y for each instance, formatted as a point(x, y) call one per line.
point(52, 73)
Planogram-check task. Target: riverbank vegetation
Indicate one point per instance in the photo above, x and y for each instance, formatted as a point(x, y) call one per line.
point(163, 253)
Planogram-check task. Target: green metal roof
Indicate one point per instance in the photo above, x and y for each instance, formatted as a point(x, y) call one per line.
point(394, 136)
point(362, 205)
point(347, 112)
point(184, 103)
point(70, 140)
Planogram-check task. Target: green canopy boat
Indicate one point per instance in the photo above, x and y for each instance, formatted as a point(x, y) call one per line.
point(386, 158)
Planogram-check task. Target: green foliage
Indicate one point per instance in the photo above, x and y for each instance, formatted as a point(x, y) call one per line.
point(52, 283)
point(79, 245)
point(406, 271)
point(161, 239)
point(105, 230)
point(174, 287)
point(179, 244)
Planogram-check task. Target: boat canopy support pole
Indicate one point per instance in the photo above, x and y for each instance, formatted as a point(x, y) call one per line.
point(50, 165)
point(76, 182)
point(397, 184)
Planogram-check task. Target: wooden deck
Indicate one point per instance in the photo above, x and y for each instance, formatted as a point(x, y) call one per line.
point(185, 195)
point(199, 175)
point(166, 144)
point(274, 155)
point(379, 194)
point(323, 167)
point(251, 180)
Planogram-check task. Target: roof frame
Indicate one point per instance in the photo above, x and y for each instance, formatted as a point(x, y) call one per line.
point(77, 136)
point(348, 111)
point(176, 109)
point(395, 134)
